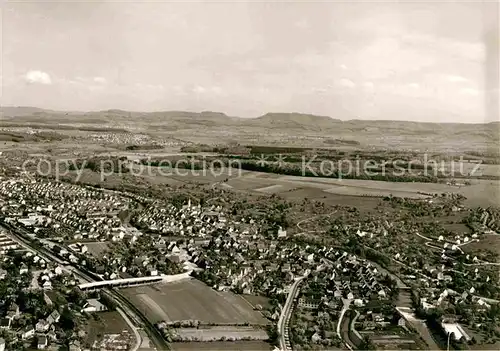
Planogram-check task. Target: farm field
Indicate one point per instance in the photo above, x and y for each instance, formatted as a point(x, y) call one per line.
point(479, 193)
point(482, 193)
point(472, 168)
point(222, 345)
point(192, 299)
point(363, 191)
point(88, 177)
point(216, 333)
point(373, 184)
point(186, 174)
point(453, 222)
point(362, 203)
point(486, 242)
point(257, 300)
point(225, 186)
point(250, 183)
point(157, 153)
point(271, 189)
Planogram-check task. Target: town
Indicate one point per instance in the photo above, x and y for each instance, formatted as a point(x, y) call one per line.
point(292, 275)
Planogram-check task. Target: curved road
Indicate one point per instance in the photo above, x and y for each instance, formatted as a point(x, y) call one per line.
point(304, 231)
point(138, 338)
point(285, 315)
point(429, 242)
point(345, 308)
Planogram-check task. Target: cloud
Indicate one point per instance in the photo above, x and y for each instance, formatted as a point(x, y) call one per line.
point(179, 90)
point(414, 85)
point(347, 83)
point(368, 85)
point(472, 51)
point(456, 79)
point(37, 77)
point(302, 23)
point(149, 87)
point(100, 80)
point(470, 91)
point(216, 90)
point(318, 90)
point(199, 89)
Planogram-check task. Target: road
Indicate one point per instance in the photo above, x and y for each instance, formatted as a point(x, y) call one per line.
point(134, 329)
point(348, 332)
point(304, 231)
point(345, 308)
point(419, 325)
point(285, 315)
point(399, 283)
point(19, 235)
point(430, 241)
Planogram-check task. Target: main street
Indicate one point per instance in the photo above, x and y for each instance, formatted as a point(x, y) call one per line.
point(345, 307)
point(286, 314)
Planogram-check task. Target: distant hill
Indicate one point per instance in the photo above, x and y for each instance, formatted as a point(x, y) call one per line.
point(16, 111)
point(278, 121)
point(294, 120)
point(178, 119)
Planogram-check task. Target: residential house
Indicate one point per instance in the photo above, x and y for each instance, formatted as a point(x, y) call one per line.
point(42, 326)
point(42, 342)
point(316, 338)
point(53, 317)
point(377, 317)
point(75, 346)
point(27, 333)
point(308, 304)
point(13, 311)
point(5, 323)
point(285, 267)
point(24, 269)
point(93, 305)
point(281, 233)
point(47, 285)
point(51, 335)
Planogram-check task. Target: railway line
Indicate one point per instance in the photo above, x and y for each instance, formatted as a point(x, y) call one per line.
point(21, 236)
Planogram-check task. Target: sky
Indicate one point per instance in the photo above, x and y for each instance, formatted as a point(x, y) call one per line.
point(407, 60)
